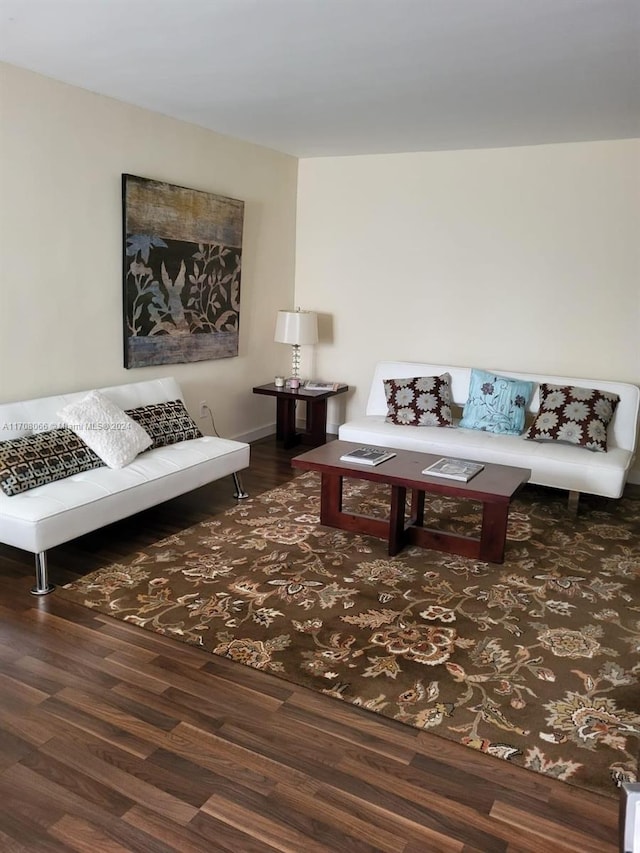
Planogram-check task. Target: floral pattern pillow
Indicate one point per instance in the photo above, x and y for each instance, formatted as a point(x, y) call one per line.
point(574, 415)
point(496, 403)
point(419, 401)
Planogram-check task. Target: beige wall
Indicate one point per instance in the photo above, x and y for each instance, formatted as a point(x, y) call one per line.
point(62, 152)
point(518, 258)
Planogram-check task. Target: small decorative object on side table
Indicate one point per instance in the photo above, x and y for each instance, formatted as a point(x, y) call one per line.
point(316, 400)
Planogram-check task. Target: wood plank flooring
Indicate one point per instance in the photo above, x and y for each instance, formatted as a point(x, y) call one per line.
point(114, 739)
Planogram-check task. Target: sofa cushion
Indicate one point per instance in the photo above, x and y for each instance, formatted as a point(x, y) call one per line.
point(106, 428)
point(574, 415)
point(496, 403)
point(419, 400)
point(45, 457)
point(167, 423)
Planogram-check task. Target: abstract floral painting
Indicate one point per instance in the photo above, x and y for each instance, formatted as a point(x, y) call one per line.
point(182, 262)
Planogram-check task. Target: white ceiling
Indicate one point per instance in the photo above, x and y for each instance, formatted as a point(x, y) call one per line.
point(327, 77)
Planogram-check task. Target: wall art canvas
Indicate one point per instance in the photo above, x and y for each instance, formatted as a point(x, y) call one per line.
point(182, 263)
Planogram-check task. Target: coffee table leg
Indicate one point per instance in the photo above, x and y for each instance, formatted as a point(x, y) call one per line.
point(396, 519)
point(417, 508)
point(493, 537)
point(330, 499)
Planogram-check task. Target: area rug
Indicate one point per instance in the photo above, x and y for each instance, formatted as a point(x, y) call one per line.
point(534, 661)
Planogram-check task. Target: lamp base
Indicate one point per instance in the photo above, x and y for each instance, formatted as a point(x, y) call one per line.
point(293, 383)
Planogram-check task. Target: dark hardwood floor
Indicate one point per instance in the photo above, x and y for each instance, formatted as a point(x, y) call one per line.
point(116, 739)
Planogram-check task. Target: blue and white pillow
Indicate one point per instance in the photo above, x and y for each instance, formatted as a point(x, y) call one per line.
point(496, 403)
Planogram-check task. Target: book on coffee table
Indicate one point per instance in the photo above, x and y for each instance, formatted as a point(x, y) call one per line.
point(367, 456)
point(453, 469)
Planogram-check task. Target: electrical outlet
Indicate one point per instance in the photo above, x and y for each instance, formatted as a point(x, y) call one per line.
point(204, 408)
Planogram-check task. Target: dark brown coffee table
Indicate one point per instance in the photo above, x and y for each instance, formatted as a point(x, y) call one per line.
point(493, 487)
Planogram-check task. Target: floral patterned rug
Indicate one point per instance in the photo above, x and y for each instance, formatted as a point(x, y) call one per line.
point(534, 661)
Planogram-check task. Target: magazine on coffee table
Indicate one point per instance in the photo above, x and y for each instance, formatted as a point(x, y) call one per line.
point(367, 456)
point(454, 469)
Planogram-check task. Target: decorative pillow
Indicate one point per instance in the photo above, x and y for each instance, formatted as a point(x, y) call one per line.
point(34, 460)
point(419, 401)
point(574, 415)
point(496, 403)
point(110, 432)
point(166, 423)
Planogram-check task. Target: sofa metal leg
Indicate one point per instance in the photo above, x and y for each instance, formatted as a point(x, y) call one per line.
point(574, 498)
point(239, 493)
point(42, 587)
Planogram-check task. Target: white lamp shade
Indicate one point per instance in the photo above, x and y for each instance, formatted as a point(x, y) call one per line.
point(297, 327)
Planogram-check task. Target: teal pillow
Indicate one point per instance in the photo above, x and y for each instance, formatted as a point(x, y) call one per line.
point(496, 403)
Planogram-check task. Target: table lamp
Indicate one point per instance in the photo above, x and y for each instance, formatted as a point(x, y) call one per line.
point(298, 328)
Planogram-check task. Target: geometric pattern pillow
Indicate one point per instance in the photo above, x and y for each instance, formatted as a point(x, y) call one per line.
point(166, 423)
point(419, 401)
point(574, 415)
point(34, 460)
point(496, 403)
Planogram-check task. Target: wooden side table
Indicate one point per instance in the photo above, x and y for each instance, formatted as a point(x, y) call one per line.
point(316, 428)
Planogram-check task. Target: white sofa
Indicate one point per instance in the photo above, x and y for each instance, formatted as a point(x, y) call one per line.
point(57, 512)
point(562, 466)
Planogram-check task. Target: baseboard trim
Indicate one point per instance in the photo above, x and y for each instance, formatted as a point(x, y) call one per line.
point(270, 429)
point(256, 434)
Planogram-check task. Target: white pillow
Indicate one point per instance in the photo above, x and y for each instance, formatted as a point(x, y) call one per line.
point(109, 432)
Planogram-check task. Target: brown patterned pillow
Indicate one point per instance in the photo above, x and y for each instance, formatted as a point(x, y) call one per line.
point(419, 401)
point(34, 460)
point(574, 415)
point(166, 423)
